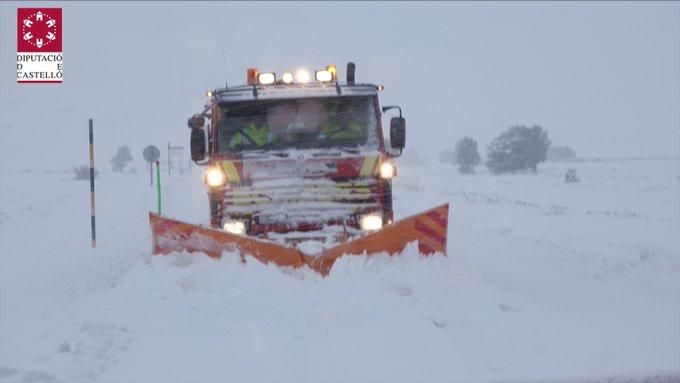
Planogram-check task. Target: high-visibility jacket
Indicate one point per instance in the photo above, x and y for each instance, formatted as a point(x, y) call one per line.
point(252, 135)
point(336, 132)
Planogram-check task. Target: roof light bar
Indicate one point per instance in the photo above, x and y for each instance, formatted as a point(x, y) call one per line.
point(302, 76)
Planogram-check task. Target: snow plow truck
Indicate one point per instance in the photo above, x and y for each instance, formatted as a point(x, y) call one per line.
point(298, 173)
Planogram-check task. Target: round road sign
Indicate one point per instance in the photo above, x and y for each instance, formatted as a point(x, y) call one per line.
point(152, 153)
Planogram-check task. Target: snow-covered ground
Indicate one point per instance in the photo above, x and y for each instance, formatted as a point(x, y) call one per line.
point(545, 281)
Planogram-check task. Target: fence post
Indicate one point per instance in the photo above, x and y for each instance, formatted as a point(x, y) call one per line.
point(92, 221)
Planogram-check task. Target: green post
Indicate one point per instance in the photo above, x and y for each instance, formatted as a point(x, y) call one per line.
point(158, 184)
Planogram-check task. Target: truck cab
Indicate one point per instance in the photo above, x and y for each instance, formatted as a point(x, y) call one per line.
point(298, 157)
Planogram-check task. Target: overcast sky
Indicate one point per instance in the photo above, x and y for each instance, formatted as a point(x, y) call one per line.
point(603, 78)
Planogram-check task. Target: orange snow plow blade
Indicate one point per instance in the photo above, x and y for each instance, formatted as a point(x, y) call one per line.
point(428, 228)
point(170, 235)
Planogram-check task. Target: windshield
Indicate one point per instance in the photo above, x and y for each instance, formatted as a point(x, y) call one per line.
point(298, 124)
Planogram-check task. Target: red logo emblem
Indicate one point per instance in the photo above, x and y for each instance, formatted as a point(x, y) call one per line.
point(39, 30)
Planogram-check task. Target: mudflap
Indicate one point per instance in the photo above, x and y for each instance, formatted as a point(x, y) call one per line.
point(429, 229)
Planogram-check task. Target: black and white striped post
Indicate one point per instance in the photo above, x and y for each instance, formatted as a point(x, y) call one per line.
point(94, 241)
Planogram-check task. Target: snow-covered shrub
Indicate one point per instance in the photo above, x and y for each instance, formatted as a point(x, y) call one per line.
point(571, 176)
point(467, 155)
point(82, 172)
point(121, 159)
point(519, 148)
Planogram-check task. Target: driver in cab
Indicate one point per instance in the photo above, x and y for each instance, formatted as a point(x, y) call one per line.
point(341, 124)
point(254, 133)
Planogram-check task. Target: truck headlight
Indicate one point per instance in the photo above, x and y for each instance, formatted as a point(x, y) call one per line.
point(371, 222)
point(215, 177)
point(387, 170)
point(235, 227)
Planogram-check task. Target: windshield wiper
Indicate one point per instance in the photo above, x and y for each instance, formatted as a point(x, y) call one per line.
point(349, 150)
point(259, 153)
point(280, 154)
point(334, 145)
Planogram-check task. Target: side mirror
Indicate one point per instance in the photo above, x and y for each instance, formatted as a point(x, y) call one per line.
point(196, 121)
point(197, 144)
point(398, 132)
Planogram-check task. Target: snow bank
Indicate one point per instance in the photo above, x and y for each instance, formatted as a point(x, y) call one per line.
point(541, 283)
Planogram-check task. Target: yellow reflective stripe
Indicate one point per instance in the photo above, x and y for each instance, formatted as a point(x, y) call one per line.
point(248, 202)
point(362, 190)
point(230, 171)
point(243, 196)
point(368, 166)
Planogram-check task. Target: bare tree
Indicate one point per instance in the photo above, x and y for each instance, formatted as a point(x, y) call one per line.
point(82, 172)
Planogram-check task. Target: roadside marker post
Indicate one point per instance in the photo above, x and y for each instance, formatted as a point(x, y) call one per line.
point(92, 220)
point(158, 184)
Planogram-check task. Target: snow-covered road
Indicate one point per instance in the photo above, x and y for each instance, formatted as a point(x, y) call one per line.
point(544, 281)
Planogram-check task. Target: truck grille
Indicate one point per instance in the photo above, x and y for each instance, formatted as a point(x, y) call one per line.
point(302, 200)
